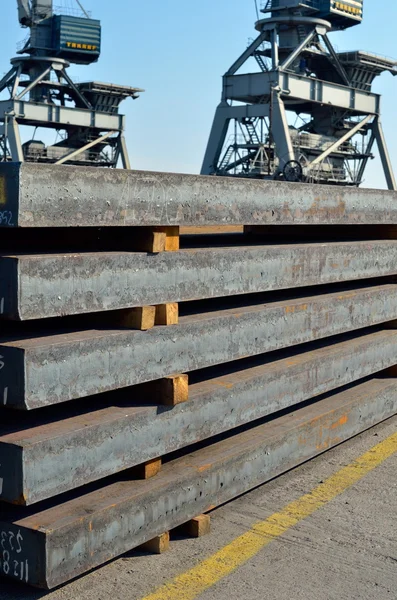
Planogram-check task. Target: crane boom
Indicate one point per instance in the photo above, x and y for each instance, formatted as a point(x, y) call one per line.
point(41, 9)
point(33, 11)
point(24, 12)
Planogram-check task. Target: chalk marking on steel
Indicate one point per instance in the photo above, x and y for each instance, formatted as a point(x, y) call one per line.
point(192, 583)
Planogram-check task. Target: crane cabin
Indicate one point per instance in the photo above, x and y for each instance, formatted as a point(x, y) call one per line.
point(340, 13)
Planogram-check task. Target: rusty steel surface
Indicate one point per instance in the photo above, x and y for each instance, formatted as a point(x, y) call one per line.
point(52, 545)
point(45, 370)
point(53, 456)
point(46, 196)
point(42, 285)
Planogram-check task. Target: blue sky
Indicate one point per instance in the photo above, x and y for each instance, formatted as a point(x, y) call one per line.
point(178, 50)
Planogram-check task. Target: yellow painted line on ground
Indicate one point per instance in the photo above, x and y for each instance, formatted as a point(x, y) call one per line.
point(192, 583)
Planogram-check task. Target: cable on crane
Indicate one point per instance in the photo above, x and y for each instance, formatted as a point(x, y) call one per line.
point(256, 9)
point(83, 9)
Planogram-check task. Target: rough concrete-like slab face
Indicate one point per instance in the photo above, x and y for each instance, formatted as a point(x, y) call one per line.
point(42, 286)
point(48, 196)
point(87, 531)
point(63, 367)
point(51, 458)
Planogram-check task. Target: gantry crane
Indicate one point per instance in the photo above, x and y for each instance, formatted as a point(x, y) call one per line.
point(41, 93)
point(307, 113)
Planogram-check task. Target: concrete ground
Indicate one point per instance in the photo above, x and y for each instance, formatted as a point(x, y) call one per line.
point(345, 551)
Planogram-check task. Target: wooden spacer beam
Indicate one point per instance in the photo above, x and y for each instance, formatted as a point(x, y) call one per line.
point(198, 527)
point(142, 318)
point(172, 243)
point(150, 469)
point(167, 314)
point(157, 545)
point(171, 390)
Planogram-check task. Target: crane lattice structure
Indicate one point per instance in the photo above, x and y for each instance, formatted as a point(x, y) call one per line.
point(41, 93)
point(307, 113)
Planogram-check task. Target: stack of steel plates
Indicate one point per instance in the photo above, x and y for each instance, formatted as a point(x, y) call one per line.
point(151, 370)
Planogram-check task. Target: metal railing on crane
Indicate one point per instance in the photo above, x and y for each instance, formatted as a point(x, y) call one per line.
point(272, 4)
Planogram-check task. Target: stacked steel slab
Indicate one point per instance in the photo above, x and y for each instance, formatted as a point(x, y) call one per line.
point(121, 421)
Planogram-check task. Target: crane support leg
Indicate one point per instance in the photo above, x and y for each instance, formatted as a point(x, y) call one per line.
point(296, 53)
point(7, 78)
point(216, 139)
point(384, 154)
point(280, 132)
point(14, 139)
point(224, 114)
point(124, 152)
point(364, 162)
point(247, 54)
point(33, 84)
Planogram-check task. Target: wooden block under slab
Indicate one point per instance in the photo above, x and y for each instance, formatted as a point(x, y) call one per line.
point(142, 318)
point(171, 390)
point(198, 526)
point(171, 233)
point(157, 545)
point(152, 241)
point(150, 469)
point(167, 314)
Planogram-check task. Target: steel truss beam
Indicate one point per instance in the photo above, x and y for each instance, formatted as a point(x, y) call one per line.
point(338, 143)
